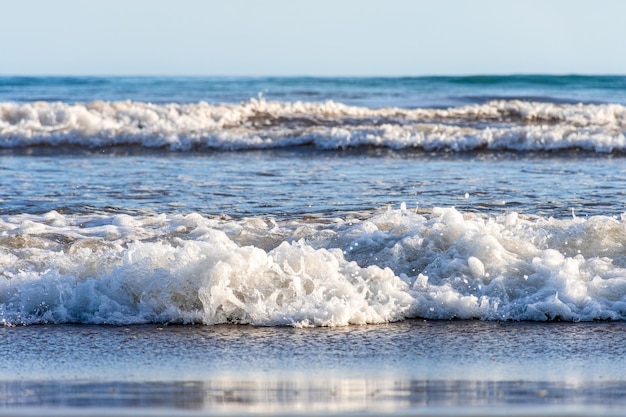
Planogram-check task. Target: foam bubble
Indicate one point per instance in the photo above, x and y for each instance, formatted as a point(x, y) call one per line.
point(385, 267)
point(260, 124)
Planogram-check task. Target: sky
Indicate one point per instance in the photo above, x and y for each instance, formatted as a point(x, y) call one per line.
point(312, 38)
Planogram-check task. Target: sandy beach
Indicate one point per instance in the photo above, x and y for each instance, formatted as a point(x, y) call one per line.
point(410, 368)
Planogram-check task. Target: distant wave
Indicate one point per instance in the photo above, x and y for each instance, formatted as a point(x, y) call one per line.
point(446, 264)
point(258, 124)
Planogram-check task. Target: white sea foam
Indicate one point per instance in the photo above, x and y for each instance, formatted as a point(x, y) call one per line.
point(386, 267)
point(259, 124)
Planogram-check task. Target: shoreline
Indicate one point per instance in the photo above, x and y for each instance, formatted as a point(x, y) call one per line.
point(414, 367)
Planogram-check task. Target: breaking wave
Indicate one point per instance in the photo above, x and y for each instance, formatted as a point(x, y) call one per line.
point(513, 125)
point(388, 266)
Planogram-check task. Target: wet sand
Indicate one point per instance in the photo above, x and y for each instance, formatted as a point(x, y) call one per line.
point(415, 367)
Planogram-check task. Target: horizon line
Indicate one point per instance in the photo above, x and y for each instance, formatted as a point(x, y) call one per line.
point(313, 76)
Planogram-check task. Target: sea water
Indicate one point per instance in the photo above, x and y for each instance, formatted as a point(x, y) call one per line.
point(308, 203)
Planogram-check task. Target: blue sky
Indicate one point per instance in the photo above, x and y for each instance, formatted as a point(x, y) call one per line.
point(321, 37)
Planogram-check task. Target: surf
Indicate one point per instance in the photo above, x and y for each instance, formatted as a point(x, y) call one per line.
point(510, 125)
point(390, 266)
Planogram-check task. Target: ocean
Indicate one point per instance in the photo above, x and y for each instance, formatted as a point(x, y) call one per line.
point(304, 246)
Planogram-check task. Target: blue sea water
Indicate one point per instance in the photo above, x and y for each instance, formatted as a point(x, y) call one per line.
point(408, 92)
point(311, 201)
point(178, 209)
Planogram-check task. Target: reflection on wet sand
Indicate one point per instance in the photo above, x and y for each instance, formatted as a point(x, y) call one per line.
point(333, 396)
point(414, 367)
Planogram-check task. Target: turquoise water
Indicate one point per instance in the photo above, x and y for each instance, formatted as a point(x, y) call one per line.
point(370, 92)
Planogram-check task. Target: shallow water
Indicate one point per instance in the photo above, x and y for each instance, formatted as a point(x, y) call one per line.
point(301, 182)
point(413, 367)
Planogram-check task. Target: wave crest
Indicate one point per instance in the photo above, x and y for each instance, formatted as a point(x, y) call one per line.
point(259, 124)
point(387, 267)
